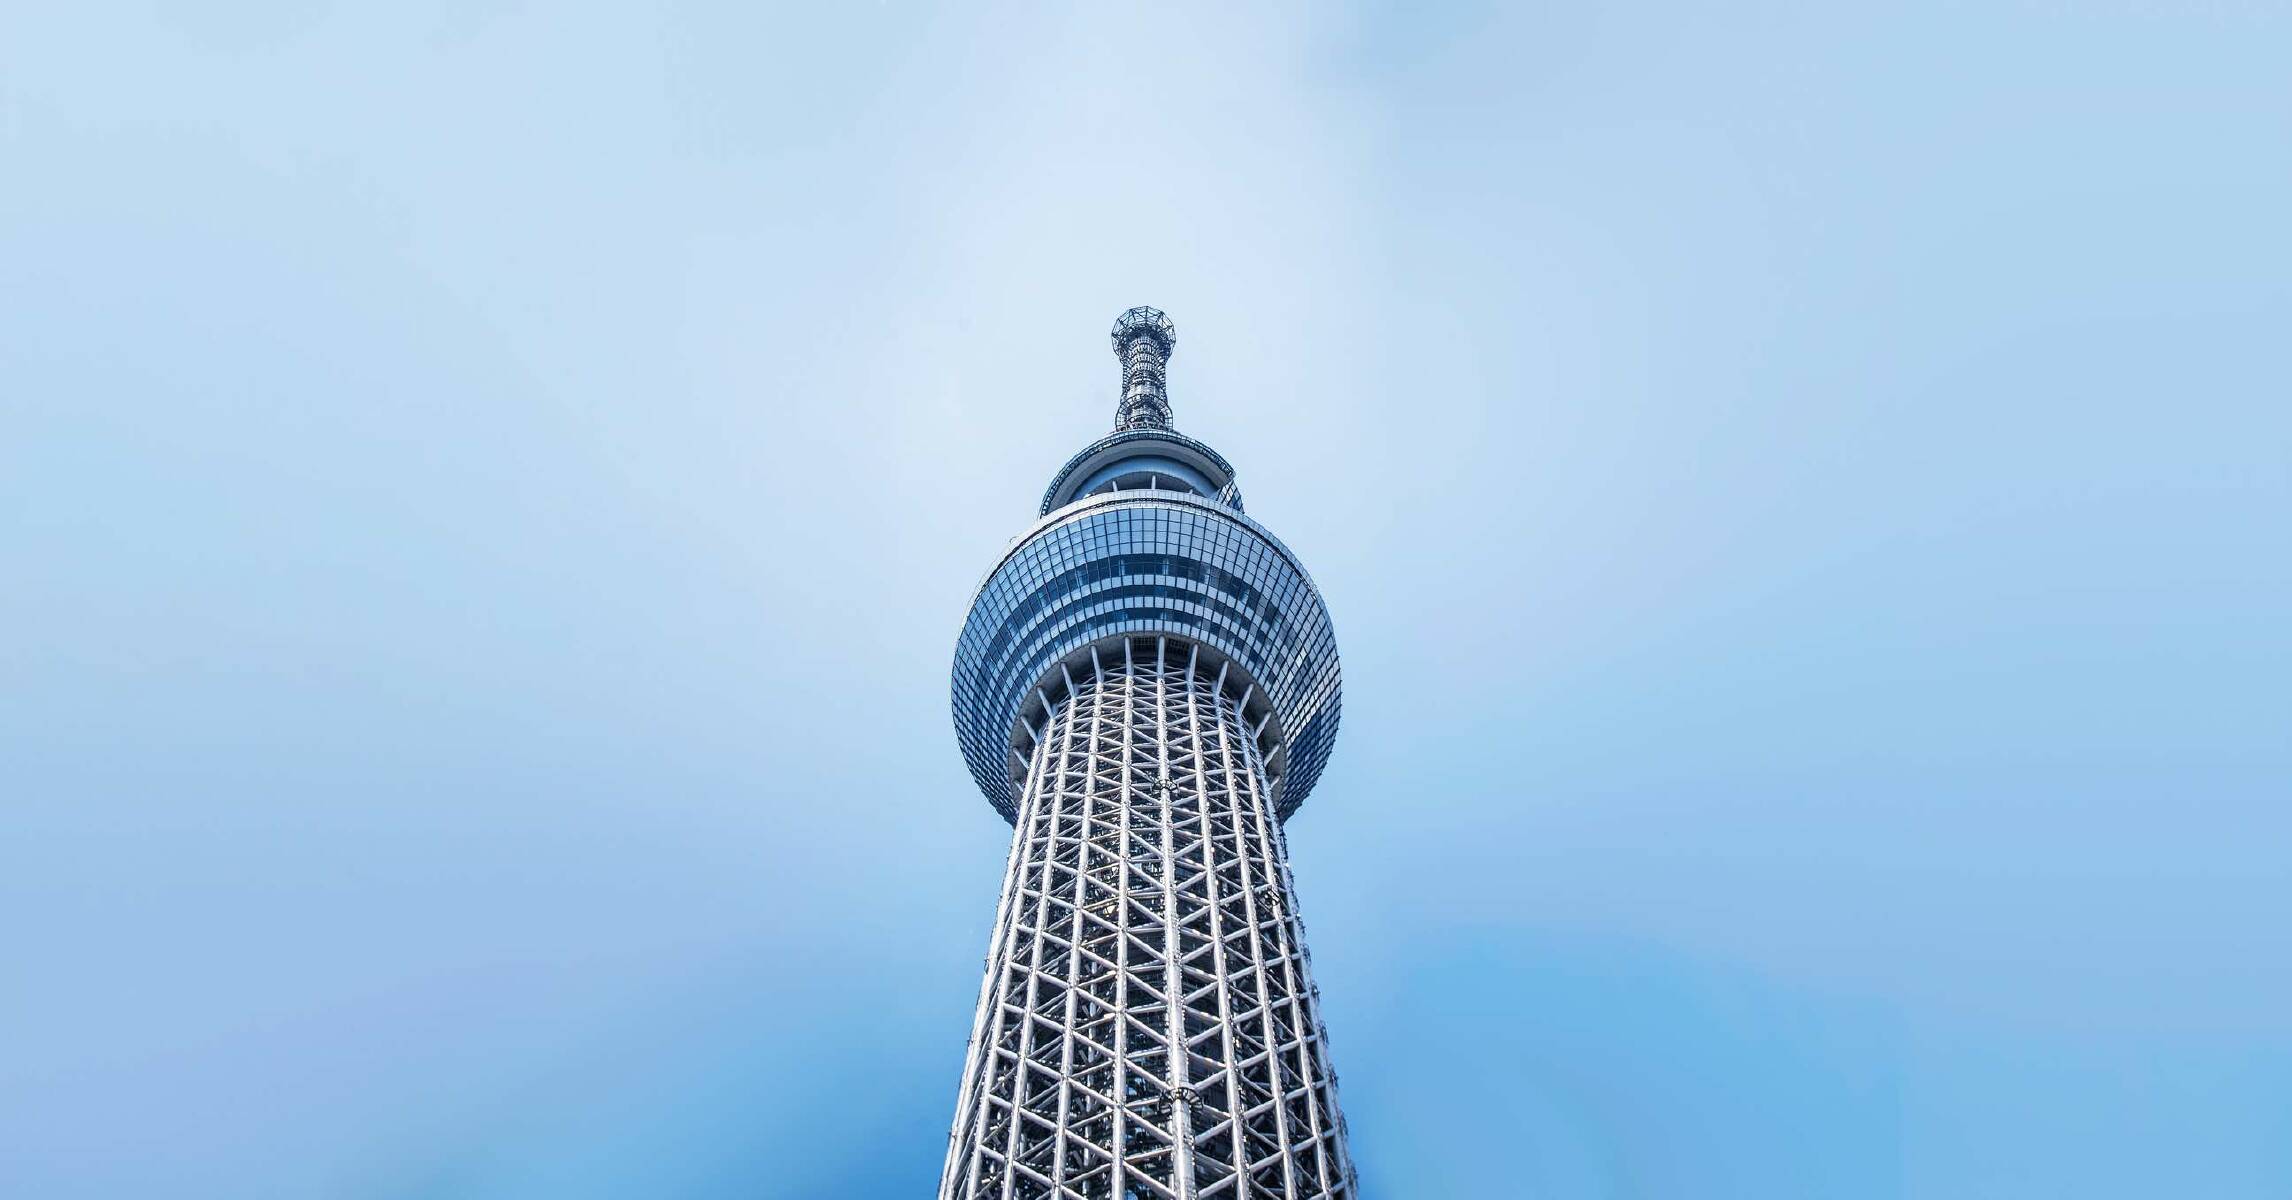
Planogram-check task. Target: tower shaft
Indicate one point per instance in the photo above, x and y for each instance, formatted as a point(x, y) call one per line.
point(1148, 1025)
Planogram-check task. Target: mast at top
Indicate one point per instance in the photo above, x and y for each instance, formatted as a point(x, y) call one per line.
point(1143, 340)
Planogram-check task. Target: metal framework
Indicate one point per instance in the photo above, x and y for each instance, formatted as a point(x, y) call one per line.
point(1148, 1025)
point(1147, 686)
point(1143, 340)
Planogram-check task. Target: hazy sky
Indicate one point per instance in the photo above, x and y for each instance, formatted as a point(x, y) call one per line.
point(488, 493)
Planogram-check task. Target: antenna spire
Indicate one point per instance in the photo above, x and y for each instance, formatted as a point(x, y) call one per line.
point(1143, 340)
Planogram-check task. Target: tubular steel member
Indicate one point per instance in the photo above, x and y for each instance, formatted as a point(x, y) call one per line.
point(1146, 687)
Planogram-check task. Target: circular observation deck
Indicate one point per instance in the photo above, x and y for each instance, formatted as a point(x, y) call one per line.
point(1171, 458)
point(1120, 569)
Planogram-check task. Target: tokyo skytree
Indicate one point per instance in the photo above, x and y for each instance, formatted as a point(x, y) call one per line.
point(1146, 687)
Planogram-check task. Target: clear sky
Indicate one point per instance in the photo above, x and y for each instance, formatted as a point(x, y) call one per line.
point(488, 492)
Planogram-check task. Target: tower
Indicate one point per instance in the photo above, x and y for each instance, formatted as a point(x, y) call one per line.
point(1146, 687)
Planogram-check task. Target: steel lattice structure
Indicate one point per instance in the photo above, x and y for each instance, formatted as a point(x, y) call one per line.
point(1147, 686)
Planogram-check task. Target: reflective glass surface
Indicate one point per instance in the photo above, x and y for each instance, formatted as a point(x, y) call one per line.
point(1156, 562)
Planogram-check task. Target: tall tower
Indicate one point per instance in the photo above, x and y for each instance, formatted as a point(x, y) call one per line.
point(1146, 687)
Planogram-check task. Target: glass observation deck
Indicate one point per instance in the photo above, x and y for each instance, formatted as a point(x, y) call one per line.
point(1132, 563)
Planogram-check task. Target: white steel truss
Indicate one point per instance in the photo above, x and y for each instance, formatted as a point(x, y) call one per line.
point(1148, 1026)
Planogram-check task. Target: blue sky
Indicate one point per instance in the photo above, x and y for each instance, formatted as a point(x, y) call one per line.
point(489, 492)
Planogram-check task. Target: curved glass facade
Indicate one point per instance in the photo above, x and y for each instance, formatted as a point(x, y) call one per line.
point(1144, 563)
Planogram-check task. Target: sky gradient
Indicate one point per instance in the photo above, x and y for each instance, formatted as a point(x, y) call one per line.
point(488, 493)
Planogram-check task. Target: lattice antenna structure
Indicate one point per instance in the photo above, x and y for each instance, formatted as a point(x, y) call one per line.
point(1147, 687)
point(1143, 341)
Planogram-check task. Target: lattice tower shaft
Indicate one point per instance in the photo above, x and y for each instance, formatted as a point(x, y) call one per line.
point(1148, 1026)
